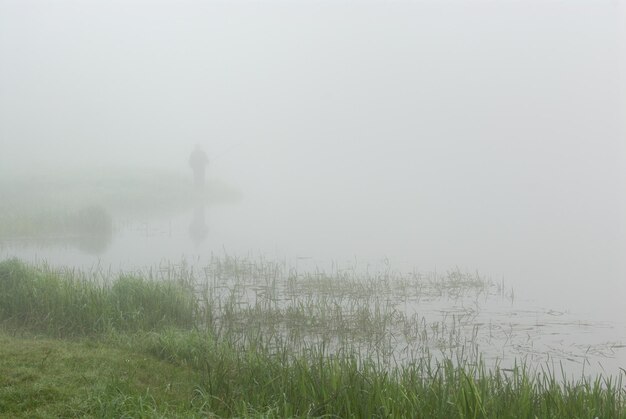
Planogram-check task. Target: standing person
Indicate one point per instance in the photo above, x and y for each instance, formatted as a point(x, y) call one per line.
point(198, 161)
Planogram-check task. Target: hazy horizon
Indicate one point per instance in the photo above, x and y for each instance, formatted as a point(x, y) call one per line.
point(491, 134)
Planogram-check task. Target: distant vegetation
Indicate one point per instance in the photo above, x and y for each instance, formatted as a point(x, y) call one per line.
point(175, 342)
point(80, 207)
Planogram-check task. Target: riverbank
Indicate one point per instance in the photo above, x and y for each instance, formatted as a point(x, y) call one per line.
point(133, 346)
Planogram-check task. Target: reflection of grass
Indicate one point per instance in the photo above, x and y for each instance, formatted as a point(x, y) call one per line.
point(79, 203)
point(90, 221)
point(128, 190)
point(176, 347)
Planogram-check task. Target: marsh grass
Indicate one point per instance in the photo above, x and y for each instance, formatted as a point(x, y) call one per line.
point(258, 339)
point(250, 380)
point(42, 300)
point(367, 310)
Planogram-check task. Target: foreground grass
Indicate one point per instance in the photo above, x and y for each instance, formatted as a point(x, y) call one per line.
point(63, 378)
point(66, 305)
point(139, 348)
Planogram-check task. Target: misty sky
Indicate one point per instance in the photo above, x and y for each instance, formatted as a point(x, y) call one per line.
point(494, 81)
point(464, 125)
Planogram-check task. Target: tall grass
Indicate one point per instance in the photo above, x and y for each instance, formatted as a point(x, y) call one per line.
point(249, 365)
point(253, 380)
point(42, 300)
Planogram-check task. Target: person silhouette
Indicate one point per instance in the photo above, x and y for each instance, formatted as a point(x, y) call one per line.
point(198, 161)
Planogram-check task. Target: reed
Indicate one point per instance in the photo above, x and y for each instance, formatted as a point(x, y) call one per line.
point(261, 341)
point(61, 305)
point(259, 381)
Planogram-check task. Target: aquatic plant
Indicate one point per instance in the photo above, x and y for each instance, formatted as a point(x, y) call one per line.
point(256, 348)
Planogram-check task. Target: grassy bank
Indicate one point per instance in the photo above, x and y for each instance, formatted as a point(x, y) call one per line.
point(42, 377)
point(79, 345)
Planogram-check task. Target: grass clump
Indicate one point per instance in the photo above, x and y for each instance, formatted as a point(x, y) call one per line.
point(45, 301)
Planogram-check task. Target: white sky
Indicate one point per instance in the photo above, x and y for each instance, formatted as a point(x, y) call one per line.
point(481, 127)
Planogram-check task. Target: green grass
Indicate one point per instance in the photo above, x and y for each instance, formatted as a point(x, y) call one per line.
point(42, 377)
point(74, 345)
point(44, 301)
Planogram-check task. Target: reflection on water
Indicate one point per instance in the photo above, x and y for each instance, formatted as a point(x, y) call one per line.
point(89, 230)
point(544, 317)
point(88, 244)
point(91, 220)
point(93, 227)
point(93, 244)
point(198, 228)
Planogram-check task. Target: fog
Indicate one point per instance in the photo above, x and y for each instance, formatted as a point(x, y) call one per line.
point(488, 135)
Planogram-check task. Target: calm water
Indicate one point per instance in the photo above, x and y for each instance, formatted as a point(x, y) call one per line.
point(483, 136)
point(558, 304)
